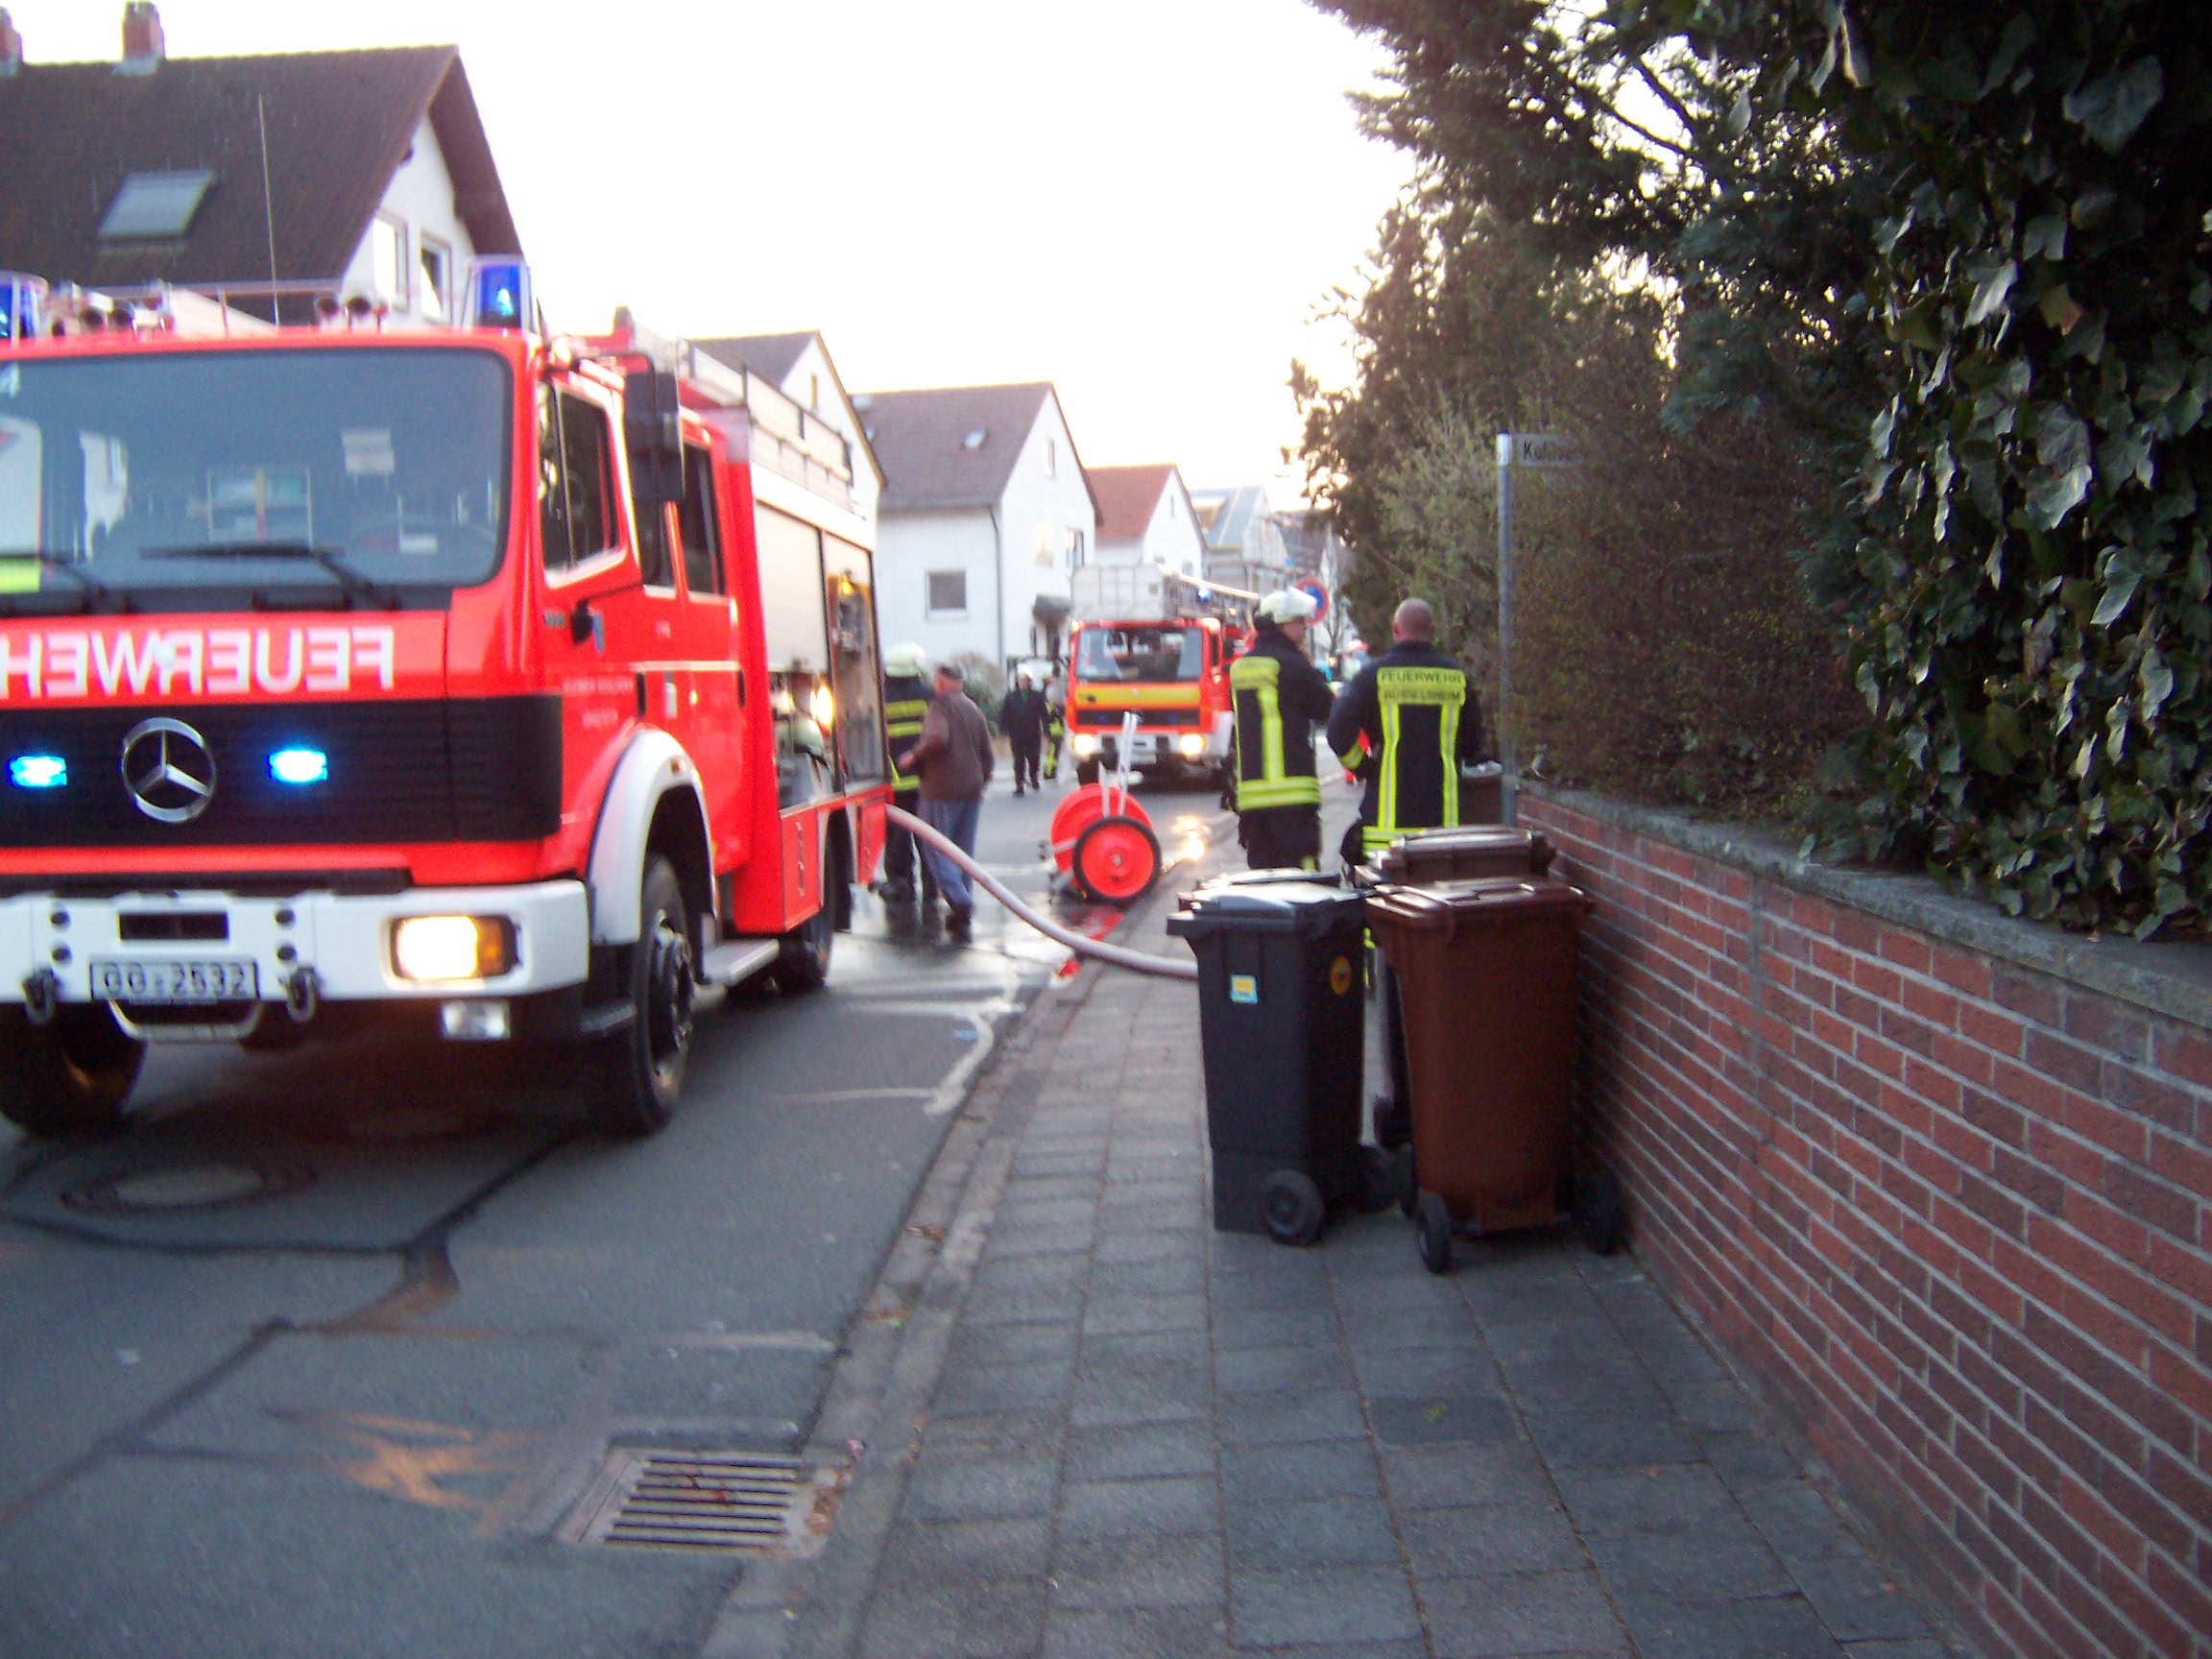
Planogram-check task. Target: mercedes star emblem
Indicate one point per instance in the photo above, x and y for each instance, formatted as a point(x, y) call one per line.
point(169, 771)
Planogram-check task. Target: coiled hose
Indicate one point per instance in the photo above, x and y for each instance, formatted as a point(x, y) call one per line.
point(1119, 956)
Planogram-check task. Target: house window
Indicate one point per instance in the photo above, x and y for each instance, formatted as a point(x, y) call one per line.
point(814, 392)
point(1052, 458)
point(1072, 540)
point(437, 261)
point(948, 592)
point(387, 261)
point(1040, 545)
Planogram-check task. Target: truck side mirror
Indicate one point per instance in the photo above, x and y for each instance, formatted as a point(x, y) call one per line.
point(654, 436)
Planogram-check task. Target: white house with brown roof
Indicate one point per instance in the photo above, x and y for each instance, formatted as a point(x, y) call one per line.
point(1146, 517)
point(369, 171)
point(985, 511)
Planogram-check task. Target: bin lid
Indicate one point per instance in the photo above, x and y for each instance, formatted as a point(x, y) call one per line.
point(1260, 879)
point(1446, 907)
point(1264, 907)
point(1468, 850)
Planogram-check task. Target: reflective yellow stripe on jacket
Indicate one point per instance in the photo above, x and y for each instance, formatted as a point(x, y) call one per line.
point(1396, 689)
point(1258, 675)
point(901, 721)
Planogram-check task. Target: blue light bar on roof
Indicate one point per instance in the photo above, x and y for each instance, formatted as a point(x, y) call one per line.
point(22, 307)
point(499, 292)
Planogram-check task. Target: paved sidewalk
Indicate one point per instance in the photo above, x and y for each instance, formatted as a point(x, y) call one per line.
point(1127, 1434)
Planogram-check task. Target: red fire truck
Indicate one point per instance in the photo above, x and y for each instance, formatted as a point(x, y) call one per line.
point(1157, 644)
point(509, 686)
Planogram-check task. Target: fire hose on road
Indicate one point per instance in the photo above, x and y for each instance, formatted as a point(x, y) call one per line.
point(1119, 956)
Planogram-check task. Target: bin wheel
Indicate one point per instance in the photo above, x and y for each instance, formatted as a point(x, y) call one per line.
point(1598, 1210)
point(1293, 1207)
point(1436, 1223)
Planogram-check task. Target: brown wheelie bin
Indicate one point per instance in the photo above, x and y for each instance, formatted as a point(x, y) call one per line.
point(1486, 978)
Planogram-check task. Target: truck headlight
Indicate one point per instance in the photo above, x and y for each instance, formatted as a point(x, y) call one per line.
point(431, 948)
point(1192, 745)
point(1084, 746)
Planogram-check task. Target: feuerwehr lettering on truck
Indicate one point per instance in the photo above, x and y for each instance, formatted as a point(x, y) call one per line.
point(195, 661)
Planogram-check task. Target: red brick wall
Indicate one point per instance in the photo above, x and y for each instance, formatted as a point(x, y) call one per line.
point(1955, 1213)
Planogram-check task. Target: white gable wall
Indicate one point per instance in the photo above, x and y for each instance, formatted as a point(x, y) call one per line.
point(1040, 514)
point(908, 548)
point(420, 195)
point(812, 384)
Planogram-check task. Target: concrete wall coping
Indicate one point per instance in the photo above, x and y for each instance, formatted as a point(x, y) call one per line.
point(2170, 978)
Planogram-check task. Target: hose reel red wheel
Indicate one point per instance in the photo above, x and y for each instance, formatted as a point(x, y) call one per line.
point(1115, 861)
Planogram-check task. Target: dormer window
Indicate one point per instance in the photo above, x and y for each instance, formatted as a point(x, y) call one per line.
point(387, 261)
point(1052, 458)
point(973, 439)
point(437, 262)
point(154, 206)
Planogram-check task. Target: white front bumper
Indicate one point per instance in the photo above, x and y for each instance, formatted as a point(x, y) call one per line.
point(345, 939)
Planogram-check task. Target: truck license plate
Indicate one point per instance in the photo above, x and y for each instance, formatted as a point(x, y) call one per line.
point(204, 981)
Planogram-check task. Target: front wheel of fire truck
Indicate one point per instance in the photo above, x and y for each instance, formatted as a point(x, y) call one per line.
point(68, 1077)
point(640, 1072)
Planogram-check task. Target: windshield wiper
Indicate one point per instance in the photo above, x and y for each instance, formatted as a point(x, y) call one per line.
point(74, 569)
point(329, 557)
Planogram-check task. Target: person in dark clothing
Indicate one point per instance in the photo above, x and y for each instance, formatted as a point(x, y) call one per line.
point(906, 697)
point(1279, 697)
point(1416, 710)
point(1021, 718)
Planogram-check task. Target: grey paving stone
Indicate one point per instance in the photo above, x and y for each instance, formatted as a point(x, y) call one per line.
point(1120, 1249)
point(1006, 1243)
point(1288, 1473)
point(1520, 1612)
point(1012, 1344)
point(1499, 1302)
point(1336, 1604)
point(1019, 1307)
point(1797, 1520)
point(1600, 1390)
point(1031, 1270)
point(1482, 1420)
point(1285, 1537)
point(1164, 1507)
point(1029, 1188)
point(971, 1622)
point(1401, 1329)
point(1138, 1633)
point(1454, 1477)
point(1143, 1351)
point(1414, 1294)
point(1136, 1569)
point(1128, 1315)
point(1049, 1212)
point(1783, 1627)
point(1267, 1370)
point(1050, 1162)
point(1178, 1217)
point(1718, 1407)
point(1139, 1452)
point(1289, 1417)
point(1590, 1439)
point(1406, 1373)
point(1857, 1599)
point(942, 1554)
point(1181, 1274)
point(1656, 1498)
point(1927, 1647)
point(1149, 1195)
point(994, 1437)
point(1749, 1459)
point(1261, 1293)
point(1490, 1538)
point(982, 1491)
point(1235, 1329)
point(1164, 1394)
point(1242, 1255)
point(1562, 1343)
point(1719, 1560)
point(973, 1389)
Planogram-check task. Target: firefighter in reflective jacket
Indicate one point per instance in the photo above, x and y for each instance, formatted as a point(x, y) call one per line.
point(906, 694)
point(1420, 723)
point(1055, 725)
point(1279, 696)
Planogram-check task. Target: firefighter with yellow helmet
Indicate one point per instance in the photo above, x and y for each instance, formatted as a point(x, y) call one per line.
point(1279, 697)
point(906, 694)
point(1407, 723)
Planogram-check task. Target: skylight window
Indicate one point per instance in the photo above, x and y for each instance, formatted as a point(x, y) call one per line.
point(973, 439)
point(154, 205)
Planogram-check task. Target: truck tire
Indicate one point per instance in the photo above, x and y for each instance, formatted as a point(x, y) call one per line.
point(803, 955)
point(68, 1077)
point(640, 1070)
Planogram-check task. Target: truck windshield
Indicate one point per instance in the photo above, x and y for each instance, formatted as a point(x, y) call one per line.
point(154, 479)
point(1148, 653)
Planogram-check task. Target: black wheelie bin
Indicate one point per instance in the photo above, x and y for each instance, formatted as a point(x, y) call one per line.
point(1279, 1017)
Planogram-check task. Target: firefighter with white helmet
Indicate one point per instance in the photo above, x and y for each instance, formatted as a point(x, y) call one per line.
point(906, 696)
point(1279, 696)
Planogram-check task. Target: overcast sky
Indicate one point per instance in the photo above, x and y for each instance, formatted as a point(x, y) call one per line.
point(1142, 201)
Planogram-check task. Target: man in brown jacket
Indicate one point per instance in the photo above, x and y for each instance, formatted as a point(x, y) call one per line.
point(953, 759)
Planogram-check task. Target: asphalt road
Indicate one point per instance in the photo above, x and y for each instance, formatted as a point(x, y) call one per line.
point(317, 1359)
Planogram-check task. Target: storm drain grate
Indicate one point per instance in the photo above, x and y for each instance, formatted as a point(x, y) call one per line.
point(752, 1502)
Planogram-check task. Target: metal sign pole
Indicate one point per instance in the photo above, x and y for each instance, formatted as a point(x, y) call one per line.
point(1508, 770)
